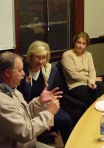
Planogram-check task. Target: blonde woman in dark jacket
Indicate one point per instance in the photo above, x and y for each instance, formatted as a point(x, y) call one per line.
point(38, 71)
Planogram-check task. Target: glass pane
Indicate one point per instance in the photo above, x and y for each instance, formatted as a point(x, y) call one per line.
point(59, 19)
point(35, 25)
point(31, 22)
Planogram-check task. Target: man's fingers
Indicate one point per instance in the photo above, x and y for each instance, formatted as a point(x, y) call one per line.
point(57, 97)
point(55, 89)
point(58, 93)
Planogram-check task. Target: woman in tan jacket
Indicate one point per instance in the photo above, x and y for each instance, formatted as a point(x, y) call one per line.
point(80, 72)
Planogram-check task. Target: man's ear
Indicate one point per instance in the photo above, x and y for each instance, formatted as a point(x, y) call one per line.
point(8, 72)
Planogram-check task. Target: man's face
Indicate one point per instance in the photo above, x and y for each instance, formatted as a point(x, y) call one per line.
point(17, 73)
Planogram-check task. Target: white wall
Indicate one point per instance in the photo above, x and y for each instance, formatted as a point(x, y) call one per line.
point(97, 51)
point(7, 25)
point(94, 17)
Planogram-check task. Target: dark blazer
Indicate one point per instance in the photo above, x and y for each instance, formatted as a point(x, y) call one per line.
point(25, 86)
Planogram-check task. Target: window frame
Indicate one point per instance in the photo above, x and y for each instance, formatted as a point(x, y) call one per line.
point(76, 25)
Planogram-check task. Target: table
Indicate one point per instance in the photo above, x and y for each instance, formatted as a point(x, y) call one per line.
point(86, 133)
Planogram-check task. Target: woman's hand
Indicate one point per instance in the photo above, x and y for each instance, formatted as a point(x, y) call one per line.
point(93, 86)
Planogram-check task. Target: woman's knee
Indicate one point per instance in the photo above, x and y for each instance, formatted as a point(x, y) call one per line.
point(63, 118)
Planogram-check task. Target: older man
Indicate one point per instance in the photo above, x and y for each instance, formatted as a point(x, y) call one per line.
point(21, 123)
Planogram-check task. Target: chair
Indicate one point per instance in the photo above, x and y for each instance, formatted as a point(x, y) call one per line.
point(71, 105)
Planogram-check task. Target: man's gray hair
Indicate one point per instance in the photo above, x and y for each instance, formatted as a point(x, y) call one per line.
point(7, 60)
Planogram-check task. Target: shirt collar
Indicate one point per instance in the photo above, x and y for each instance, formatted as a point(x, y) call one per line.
point(7, 89)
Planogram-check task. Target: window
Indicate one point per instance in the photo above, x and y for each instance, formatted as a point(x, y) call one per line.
point(47, 20)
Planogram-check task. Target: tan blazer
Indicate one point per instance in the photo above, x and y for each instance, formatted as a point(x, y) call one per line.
point(20, 123)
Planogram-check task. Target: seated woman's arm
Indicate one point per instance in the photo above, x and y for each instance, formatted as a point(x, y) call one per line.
point(70, 67)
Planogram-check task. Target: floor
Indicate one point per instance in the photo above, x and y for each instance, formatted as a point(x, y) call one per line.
point(58, 141)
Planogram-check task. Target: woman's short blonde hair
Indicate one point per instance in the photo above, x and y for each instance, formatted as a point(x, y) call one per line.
point(38, 48)
point(83, 35)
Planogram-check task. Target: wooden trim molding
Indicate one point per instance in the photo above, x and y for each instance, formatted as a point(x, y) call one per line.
point(77, 16)
point(17, 26)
